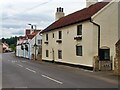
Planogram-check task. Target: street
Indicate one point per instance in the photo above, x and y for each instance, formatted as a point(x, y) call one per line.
point(23, 73)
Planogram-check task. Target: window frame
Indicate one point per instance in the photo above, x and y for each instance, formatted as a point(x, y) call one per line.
point(104, 54)
point(59, 54)
point(59, 34)
point(47, 53)
point(79, 29)
point(53, 35)
point(46, 37)
point(79, 53)
point(39, 41)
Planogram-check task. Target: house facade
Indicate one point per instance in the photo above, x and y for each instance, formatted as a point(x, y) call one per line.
point(28, 45)
point(5, 48)
point(78, 37)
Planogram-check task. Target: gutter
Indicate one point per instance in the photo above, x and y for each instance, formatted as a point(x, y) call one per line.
point(48, 30)
point(98, 35)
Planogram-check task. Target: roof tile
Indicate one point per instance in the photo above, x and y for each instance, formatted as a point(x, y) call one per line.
point(79, 16)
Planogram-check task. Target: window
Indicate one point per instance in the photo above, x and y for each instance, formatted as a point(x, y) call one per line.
point(79, 50)
point(59, 54)
point(53, 35)
point(79, 30)
point(46, 37)
point(39, 41)
point(104, 54)
point(60, 34)
point(47, 53)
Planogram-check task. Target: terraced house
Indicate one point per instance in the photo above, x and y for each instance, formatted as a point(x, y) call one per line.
point(78, 37)
point(29, 46)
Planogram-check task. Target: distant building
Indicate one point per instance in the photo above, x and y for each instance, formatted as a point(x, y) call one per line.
point(4, 47)
point(78, 37)
point(28, 45)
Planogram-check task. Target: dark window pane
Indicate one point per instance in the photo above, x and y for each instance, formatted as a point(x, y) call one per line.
point(46, 37)
point(104, 54)
point(47, 52)
point(79, 30)
point(53, 35)
point(59, 54)
point(39, 42)
point(79, 50)
point(60, 34)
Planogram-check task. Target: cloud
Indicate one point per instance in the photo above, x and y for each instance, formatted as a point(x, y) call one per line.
point(6, 33)
point(16, 14)
point(20, 32)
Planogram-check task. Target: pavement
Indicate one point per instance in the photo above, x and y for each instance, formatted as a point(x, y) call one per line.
point(24, 73)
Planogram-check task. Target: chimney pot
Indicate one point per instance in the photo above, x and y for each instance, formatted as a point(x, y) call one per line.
point(59, 13)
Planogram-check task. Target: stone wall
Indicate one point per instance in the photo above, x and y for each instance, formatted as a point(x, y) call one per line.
point(39, 57)
point(95, 63)
point(101, 65)
point(117, 59)
point(105, 65)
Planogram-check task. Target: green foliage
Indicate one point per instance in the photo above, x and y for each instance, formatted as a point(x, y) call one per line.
point(13, 47)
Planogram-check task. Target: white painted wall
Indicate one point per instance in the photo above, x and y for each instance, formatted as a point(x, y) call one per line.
point(31, 50)
point(68, 45)
point(108, 20)
point(31, 45)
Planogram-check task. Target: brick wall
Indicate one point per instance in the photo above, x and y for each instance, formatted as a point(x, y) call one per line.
point(117, 59)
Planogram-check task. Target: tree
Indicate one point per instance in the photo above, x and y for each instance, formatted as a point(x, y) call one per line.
point(13, 47)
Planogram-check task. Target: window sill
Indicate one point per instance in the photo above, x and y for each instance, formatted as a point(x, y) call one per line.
point(78, 38)
point(46, 42)
point(59, 41)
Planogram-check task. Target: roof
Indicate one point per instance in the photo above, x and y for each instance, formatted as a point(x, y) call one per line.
point(5, 45)
point(76, 17)
point(29, 35)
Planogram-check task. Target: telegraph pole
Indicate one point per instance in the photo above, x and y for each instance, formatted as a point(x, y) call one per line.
point(35, 45)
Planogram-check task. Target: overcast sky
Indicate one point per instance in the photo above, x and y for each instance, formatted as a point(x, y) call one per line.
point(17, 14)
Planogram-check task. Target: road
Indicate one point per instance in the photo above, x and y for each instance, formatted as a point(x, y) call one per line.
point(22, 73)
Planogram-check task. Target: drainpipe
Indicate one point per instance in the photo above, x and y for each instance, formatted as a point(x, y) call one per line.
point(98, 35)
point(25, 52)
point(29, 52)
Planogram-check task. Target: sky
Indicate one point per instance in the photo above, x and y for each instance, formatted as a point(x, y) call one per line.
point(17, 14)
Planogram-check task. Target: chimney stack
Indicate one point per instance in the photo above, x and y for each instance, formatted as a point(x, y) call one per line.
point(90, 2)
point(59, 14)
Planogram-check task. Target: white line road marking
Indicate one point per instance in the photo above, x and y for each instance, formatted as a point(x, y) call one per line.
point(31, 70)
point(52, 79)
point(23, 61)
point(14, 61)
point(19, 65)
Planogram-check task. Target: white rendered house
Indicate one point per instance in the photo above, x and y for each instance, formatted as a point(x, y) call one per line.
point(29, 44)
point(78, 37)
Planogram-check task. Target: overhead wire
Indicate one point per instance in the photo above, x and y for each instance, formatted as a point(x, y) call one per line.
point(29, 9)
